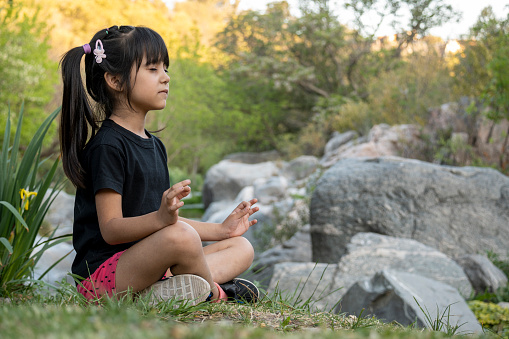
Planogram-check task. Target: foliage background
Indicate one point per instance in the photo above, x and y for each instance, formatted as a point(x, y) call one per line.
point(255, 81)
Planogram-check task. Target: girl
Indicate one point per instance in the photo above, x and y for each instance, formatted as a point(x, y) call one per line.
point(127, 231)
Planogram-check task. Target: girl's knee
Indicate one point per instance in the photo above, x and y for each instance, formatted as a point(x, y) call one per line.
point(181, 235)
point(245, 246)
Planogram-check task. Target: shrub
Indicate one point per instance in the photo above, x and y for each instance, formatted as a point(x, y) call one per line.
point(491, 316)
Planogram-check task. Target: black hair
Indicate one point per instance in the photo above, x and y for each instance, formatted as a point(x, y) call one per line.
point(125, 47)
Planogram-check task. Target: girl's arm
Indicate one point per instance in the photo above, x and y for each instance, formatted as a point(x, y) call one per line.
point(236, 224)
point(115, 229)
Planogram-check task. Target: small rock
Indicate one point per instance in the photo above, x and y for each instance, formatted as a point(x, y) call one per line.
point(483, 275)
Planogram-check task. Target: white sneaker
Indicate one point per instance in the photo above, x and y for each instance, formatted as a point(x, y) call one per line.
point(188, 287)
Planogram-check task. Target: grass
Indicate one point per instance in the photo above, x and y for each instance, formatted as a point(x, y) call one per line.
point(66, 314)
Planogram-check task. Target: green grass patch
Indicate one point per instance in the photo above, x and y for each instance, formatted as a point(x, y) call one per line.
point(66, 314)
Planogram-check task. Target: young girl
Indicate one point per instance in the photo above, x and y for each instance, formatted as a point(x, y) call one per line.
point(127, 231)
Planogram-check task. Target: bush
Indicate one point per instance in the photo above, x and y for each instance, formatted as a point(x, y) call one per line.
point(491, 316)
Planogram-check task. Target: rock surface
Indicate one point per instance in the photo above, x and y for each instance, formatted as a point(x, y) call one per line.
point(367, 254)
point(393, 295)
point(382, 140)
point(299, 282)
point(296, 249)
point(300, 168)
point(227, 178)
point(456, 210)
point(483, 275)
point(52, 255)
point(61, 214)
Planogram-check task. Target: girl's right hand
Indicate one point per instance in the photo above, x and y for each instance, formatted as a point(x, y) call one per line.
point(171, 202)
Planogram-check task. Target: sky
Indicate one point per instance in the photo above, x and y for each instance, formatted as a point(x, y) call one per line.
point(470, 12)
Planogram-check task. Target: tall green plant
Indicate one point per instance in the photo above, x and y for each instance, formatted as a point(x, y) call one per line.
point(25, 197)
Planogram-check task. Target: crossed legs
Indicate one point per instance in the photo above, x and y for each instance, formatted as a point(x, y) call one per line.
point(178, 247)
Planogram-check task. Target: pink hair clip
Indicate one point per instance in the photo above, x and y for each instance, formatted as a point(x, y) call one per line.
point(99, 51)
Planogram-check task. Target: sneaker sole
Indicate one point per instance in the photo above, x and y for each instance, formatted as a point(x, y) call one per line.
point(188, 287)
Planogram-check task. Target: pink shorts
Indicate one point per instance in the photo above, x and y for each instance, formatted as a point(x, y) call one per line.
point(102, 281)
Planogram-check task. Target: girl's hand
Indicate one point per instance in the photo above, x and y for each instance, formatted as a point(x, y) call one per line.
point(171, 202)
point(237, 222)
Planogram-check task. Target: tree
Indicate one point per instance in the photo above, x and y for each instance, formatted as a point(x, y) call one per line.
point(422, 15)
point(311, 64)
point(482, 71)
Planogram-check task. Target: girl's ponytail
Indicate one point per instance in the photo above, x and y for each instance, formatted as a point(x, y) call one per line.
point(76, 117)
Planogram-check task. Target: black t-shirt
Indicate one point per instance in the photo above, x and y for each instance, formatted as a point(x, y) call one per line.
point(134, 167)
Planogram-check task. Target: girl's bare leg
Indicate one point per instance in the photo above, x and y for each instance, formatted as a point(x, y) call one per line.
point(228, 258)
point(177, 247)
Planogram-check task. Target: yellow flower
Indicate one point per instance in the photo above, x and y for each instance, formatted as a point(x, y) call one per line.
point(25, 195)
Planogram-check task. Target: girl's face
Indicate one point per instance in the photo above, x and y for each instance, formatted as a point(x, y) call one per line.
point(150, 87)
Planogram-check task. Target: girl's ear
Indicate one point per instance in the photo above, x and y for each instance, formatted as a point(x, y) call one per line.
point(113, 82)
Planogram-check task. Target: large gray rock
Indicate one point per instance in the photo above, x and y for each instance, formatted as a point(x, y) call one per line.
point(312, 282)
point(60, 215)
point(456, 210)
point(399, 296)
point(253, 157)
point(382, 140)
point(483, 275)
point(301, 167)
point(52, 255)
point(296, 249)
point(367, 254)
point(226, 179)
point(339, 139)
point(270, 190)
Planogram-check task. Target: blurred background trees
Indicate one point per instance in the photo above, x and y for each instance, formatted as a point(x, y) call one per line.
point(255, 81)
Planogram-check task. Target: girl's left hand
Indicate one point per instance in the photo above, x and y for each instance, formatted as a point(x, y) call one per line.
point(238, 222)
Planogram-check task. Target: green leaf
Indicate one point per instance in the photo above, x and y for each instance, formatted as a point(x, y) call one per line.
point(7, 244)
point(15, 213)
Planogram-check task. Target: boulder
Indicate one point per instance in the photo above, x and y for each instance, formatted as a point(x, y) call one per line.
point(270, 190)
point(60, 215)
point(218, 211)
point(311, 282)
point(50, 256)
point(368, 253)
point(300, 168)
point(452, 116)
point(409, 298)
point(296, 249)
point(332, 157)
point(382, 140)
point(264, 217)
point(226, 179)
point(457, 210)
point(253, 157)
point(483, 275)
point(339, 139)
